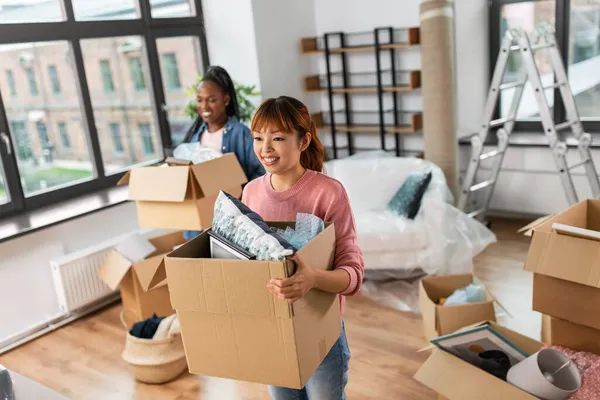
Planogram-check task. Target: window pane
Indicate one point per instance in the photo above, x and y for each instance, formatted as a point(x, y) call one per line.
point(526, 15)
point(64, 137)
point(137, 74)
point(584, 57)
point(119, 108)
point(54, 80)
point(12, 11)
point(180, 64)
point(95, 10)
point(35, 114)
point(172, 9)
point(10, 79)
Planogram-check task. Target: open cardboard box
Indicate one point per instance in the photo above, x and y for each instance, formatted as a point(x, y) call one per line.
point(442, 320)
point(233, 327)
point(133, 279)
point(566, 265)
point(559, 332)
point(181, 195)
point(456, 379)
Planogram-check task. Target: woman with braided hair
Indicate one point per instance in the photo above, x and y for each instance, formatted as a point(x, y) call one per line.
point(218, 127)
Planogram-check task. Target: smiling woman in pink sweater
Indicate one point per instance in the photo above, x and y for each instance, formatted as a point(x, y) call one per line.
point(286, 143)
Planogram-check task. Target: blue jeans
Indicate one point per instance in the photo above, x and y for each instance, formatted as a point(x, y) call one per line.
point(329, 380)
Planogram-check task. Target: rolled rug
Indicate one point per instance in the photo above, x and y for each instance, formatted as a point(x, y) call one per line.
point(438, 87)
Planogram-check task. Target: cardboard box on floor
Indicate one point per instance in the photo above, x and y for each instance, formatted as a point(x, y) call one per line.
point(566, 265)
point(181, 195)
point(556, 331)
point(233, 327)
point(442, 320)
point(456, 379)
point(133, 279)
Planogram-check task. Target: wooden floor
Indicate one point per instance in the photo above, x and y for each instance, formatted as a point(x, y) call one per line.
point(82, 360)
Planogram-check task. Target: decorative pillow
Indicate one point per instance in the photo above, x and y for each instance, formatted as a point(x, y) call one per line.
point(234, 221)
point(407, 200)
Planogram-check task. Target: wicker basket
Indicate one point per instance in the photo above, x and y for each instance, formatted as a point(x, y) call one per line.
point(155, 361)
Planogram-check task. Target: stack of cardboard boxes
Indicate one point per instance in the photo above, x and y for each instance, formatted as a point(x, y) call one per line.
point(564, 257)
point(173, 196)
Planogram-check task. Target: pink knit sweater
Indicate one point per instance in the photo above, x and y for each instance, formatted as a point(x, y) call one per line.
point(320, 195)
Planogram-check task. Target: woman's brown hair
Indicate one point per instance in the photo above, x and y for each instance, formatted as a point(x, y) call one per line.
point(287, 114)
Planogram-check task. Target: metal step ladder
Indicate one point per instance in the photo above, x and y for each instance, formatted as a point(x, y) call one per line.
point(518, 41)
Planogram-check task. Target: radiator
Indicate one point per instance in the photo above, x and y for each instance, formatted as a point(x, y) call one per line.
point(76, 278)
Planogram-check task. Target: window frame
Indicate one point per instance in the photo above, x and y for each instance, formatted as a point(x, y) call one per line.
point(145, 26)
point(562, 30)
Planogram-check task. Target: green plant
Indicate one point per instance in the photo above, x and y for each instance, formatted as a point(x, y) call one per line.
point(244, 94)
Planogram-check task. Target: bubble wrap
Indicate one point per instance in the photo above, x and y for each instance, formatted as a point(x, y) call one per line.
point(588, 365)
point(308, 226)
point(233, 225)
point(195, 153)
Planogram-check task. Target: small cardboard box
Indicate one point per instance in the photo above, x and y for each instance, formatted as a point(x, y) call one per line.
point(456, 379)
point(442, 320)
point(181, 195)
point(559, 332)
point(233, 327)
point(133, 279)
point(567, 266)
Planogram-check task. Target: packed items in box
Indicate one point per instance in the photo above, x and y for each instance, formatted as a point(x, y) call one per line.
point(450, 302)
point(235, 222)
point(406, 224)
point(520, 362)
point(195, 153)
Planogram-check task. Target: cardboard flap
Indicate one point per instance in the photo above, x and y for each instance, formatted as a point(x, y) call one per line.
point(319, 253)
point(171, 161)
point(453, 317)
point(147, 270)
point(135, 248)
point(124, 179)
point(219, 174)
point(527, 230)
point(559, 262)
point(159, 184)
point(113, 269)
point(458, 380)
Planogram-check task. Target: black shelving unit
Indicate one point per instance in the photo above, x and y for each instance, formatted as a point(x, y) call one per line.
point(381, 82)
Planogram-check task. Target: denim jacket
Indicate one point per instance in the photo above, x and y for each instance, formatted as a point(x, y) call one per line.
point(236, 139)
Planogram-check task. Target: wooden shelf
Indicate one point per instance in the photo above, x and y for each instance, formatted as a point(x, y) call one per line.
point(416, 124)
point(309, 45)
point(312, 84)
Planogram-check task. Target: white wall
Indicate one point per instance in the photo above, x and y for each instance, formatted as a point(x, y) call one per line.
point(278, 27)
point(230, 37)
point(27, 296)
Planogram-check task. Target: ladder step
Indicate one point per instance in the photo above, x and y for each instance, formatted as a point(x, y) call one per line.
point(564, 125)
point(554, 86)
point(505, 86)
point(534, 47)
point(579, 164)
point(500, 121)
point(491, 154)
point(482, 185)
point(475, 213)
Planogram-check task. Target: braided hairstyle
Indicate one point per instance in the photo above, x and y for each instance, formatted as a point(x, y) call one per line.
point(220, 77)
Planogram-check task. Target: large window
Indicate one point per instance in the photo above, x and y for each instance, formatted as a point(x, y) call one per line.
point(577, 28)
point(98, 97)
